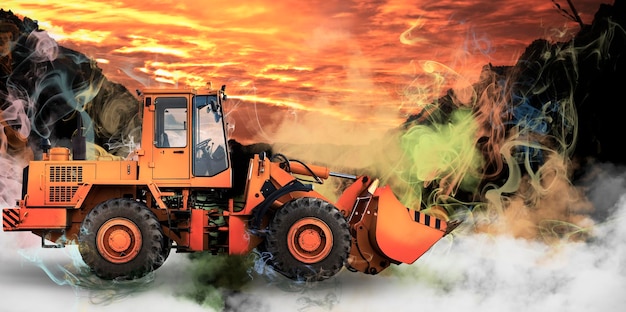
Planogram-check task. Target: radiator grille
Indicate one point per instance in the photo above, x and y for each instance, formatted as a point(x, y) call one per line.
point(62, 193)
point(63, 181)
point(66, 174)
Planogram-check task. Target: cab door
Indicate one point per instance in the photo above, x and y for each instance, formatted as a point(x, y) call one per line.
point(171, 144)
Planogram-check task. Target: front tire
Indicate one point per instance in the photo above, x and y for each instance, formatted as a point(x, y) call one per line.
point(308, 239)
point(122, 239)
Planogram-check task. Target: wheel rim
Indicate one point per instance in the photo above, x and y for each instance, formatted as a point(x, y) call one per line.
point(310, 240)
point(119, 240)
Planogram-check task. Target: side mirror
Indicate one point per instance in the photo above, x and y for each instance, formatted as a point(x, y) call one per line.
point(223, 92)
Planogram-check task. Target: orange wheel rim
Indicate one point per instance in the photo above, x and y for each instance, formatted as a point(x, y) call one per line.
point(310, 240)
point(119, 240)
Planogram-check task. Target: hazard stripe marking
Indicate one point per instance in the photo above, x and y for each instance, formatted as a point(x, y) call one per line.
point(10, 218)
point(426, 219)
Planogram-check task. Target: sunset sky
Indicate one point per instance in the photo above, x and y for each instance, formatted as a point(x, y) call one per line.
point(329, 71)
point(347, 61)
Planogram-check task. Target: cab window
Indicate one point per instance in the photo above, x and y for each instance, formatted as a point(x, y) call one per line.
point(171, 122)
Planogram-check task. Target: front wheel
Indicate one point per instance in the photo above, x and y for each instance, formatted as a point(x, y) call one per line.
point(121, 238)
point(308, 239)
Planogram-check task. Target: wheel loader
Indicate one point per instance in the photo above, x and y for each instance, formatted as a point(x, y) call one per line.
point(175, 191)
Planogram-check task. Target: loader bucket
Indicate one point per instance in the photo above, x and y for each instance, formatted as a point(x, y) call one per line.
point(384, 231)
point(401, 234)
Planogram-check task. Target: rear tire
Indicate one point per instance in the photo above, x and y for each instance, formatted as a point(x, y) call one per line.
point(122, 239)
point(308, 239)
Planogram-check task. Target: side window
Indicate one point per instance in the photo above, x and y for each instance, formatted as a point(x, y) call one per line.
point(171, 122)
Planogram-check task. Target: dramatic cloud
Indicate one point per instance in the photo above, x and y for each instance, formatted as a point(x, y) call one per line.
point(345, 73)
point(348, 54)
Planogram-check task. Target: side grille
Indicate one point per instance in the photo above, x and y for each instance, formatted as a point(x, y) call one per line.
point(66, 174)
point(63, 183)
point(62, 193)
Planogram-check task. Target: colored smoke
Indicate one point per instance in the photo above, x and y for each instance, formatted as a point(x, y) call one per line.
point(529, 156)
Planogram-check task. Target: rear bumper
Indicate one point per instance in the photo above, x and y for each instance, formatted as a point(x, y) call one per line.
point(28, 219)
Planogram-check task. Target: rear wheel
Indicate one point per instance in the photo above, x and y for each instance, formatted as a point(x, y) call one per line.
point(121, 238)
point(308, 240)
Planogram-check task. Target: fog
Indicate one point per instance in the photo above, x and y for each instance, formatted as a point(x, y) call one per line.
point(462, 272)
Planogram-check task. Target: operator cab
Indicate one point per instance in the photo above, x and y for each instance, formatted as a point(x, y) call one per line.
point(188, 137)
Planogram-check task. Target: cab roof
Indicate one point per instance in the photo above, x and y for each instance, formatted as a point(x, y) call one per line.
point(179, 91)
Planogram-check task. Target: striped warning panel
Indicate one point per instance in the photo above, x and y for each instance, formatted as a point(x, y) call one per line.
point(426, 219)
point(10, 218)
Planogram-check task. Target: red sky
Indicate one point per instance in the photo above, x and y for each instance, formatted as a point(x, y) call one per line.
point(361, 65)
point(348, 61)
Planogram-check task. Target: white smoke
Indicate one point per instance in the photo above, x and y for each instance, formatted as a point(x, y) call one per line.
point(36, 279)
point(474, 272)
point(484, 273)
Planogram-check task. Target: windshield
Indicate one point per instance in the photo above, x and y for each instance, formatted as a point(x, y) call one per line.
point(209, 137)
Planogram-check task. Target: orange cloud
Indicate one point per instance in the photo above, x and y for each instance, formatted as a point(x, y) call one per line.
point(339, 57)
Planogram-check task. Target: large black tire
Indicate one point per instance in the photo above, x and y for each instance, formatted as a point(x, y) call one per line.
point(122, 239)
point(166, 247)
point(308, 239)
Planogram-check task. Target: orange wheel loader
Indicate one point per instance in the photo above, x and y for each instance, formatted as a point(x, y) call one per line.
point(176, 192)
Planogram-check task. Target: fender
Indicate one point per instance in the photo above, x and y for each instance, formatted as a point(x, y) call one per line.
point(273, 194)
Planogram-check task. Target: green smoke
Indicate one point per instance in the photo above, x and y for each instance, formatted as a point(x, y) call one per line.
point(443, 157)
point(214, 276)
